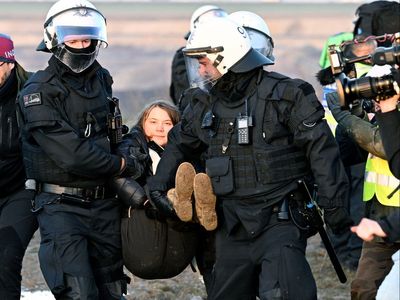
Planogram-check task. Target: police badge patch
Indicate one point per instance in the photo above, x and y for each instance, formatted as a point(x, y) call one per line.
point(32, 99)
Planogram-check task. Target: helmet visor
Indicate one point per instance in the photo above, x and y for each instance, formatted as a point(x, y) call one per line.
point(201, 72)
point(79, 24)
point(261, 43)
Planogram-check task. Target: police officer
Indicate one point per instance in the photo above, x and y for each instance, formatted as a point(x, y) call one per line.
point(261, 134)
point(68, 159)
point(179, 80)
point(17, 223)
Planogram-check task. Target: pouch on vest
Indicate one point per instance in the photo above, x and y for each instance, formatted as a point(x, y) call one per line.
point(220, 170)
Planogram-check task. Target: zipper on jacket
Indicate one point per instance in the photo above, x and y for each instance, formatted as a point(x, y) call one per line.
point(10, 130)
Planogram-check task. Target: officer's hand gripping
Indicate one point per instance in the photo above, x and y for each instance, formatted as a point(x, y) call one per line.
point(135, 160)
point(338, 219)
point(129, 192)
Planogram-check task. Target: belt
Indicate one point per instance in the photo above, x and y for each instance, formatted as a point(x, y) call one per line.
point(97, 192)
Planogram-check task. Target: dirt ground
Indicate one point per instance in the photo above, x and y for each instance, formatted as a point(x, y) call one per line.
point(142, 41)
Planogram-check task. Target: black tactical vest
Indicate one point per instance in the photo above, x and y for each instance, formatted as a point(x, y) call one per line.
point(268, 160)
point(87, 116)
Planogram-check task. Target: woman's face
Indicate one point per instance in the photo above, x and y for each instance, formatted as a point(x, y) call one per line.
point(157, 125)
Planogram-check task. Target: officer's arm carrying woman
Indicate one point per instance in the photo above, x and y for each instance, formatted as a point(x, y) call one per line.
point(68, 157)
point(260, 133)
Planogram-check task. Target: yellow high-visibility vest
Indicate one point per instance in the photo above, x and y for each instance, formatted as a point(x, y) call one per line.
point(380, 181)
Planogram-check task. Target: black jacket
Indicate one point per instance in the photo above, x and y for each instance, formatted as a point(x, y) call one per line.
point(65, 126)
point(389, 124)
point(391, 226)
point(138, 140)
point(12, 174)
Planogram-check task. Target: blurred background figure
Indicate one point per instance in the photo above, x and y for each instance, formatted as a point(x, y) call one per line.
point(377, 18)
point(17, 222)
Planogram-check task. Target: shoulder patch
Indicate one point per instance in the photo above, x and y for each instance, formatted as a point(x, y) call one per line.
point(32, 99)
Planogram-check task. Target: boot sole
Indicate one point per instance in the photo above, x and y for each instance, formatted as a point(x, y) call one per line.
point(205, 201)
point(184, 179)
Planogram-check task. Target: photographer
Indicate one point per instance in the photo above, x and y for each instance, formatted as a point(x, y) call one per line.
point(347, 245)
point(380, 193)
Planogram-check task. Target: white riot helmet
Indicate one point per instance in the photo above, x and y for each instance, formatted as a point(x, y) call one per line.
point(205, 12)
point(227, 47)
point(69, 20)
point(258, 31)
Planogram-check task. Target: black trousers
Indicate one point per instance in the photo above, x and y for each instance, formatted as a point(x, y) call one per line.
point(270, 266)
point(348, 245)
point(80, 252)
point(17, 226)
point(205, 256)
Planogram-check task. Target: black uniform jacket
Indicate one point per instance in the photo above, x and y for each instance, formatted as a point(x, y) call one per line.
point(56, 115)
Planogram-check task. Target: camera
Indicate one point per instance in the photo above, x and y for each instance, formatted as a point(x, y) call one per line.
point(377, 88)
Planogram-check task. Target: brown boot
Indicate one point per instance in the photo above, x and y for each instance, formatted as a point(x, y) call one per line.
point(183, 191)
point(205, 201)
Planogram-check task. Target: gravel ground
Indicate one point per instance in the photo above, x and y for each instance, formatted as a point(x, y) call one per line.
point(189, 286)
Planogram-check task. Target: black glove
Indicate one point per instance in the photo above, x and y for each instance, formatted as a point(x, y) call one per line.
point(163, 204)
point(338, 219)
point(357, 109)
point(334, 106)
point(135, 159)
point(129, 192)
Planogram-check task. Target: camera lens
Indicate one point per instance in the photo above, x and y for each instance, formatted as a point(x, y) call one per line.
point(367, 88)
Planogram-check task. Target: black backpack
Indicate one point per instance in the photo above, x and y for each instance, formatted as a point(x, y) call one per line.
point(377, 18)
